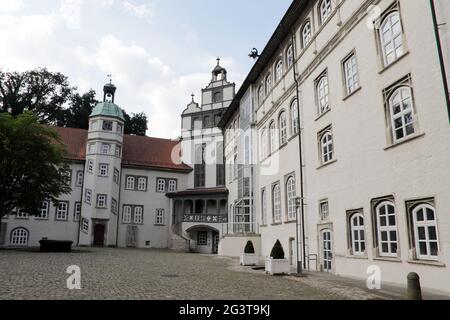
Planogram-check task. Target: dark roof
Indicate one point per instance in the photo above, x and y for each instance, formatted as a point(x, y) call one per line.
point(138, 151)
point(198, 191)
point(271, 48)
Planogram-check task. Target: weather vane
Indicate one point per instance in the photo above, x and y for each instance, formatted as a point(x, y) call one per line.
point(110, 78)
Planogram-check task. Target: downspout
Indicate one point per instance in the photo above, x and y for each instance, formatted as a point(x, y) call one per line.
point(441, 55)
point(118, 207)
point(81, 203)
point(300, 146)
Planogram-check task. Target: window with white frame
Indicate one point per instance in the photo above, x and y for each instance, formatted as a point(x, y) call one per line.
point(138, 215)
point(264, 151)
point(261, 94)
point(351, 74)
point(235, 167)
point(114, 206)
point(291, 195)
point(159, 217)
point(263, 207)
point(142, 184)
point(88, 196)
point(357, 234)
point(386, 224)
point(84, 225)
point(426, 238)
point(161, 185)
point(103, 170)
point(294, 117)
point(80, 178)
point(202, 238)
point(172, 185)
point(106, 148)
point(391, 38)
point(306, 34)
point(276, 203)
point(92, 148)
point(279, 70)
point(273, 137)
point(22, 214)
point(130, 183)
point(118, 151)
point(282, 124)
point(268, 83)
point(401, 112)
point(91, 166)
point(126, 214)
point(102, 200)
point(116, 177)
point(19, 237)
point(107, 125)
point(43, 211)
point(326, 146)
point(290, 56)
point(119, 128)
point(77, 211)
point(62, 211)
point(324, 210)
point(325, 10)
point(322, 91)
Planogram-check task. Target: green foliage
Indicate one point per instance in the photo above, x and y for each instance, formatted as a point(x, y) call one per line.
point(277, 251)
point(81, 106)
point(135, 124)
point(32, 165)
point(249, 249)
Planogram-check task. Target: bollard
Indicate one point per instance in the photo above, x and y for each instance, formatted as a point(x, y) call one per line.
point(414, 292)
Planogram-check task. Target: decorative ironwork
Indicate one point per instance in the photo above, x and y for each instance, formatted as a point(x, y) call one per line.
point(205, 218)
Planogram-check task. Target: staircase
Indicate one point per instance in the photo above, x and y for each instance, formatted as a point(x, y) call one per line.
point(179, 241)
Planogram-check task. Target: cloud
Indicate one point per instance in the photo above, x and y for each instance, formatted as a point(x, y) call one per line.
point(11, 6)
point(141, 11)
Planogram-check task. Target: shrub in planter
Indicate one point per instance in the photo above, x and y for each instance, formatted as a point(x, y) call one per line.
point(277, 263)
point(249, 258)
point(249, 249)
point(277, 251)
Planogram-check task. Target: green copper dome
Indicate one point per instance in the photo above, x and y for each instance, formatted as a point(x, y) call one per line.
point(108, 109)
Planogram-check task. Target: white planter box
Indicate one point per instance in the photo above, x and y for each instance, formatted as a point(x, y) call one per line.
point(276, 266)
point(249, 259)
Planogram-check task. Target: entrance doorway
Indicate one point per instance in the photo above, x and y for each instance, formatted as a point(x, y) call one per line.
point(99, 235)
point(292, 252)
point(216, 239)
point(327, 251)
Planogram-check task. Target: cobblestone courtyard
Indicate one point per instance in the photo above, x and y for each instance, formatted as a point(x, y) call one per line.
point(138, 274)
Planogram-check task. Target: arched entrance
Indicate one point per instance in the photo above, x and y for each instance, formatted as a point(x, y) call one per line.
point(204, 239)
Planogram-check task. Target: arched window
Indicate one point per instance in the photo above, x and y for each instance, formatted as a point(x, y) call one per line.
point(327, 147)
point(261, 94)
point(291, 194)
point(264, 141)
point(402, 113)
point(263, 208)
point(323, 95)
point(306, 34)
point(387, 229)
point(273, 137)
point(19, 237)
point(268, 83)
point(217, 97)
point(357, 234)
point(325, 10)
point(279, 70)
point(290, 56)
point(426, 232)
point(276, 203)
point(294, 117)
point(282, 124)
point(391, 37)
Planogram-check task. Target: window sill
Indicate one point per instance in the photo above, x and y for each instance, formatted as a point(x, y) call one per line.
point(326, 164)
point(61, 220)
point(352, 93)
point(293, 137)
point(290, 221)
point(276, 224)
point(393, 63)
point(323, 114)
point(357, 257)
point(283, 145)
point(41, 219)
point(159, 225)
point(388, 259)
point(263, 226)
point(392, 146)
point(428, 263)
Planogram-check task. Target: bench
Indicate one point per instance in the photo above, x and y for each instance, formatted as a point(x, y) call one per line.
point(55, 246)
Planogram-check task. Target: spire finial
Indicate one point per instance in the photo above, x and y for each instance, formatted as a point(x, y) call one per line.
point(110, 78)
point(193, 96)
point(218, 61)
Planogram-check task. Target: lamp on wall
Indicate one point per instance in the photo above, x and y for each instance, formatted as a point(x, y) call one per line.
point(254, 54)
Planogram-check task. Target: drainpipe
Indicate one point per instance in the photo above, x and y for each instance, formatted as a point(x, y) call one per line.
point(302, 188)
point(441, 55)
point(119, 206)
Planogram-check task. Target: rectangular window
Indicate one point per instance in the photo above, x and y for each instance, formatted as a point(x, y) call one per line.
point(77, 211)
point(105, 148)
point(92, 148)
point(80, 178)
point(220, 166)
point(172, 185)
point(119, 128)
point(161, 185)
point(142, 184)
point(116, 176)
point(159, 217)
point(200, 166)
point(114, 206)
point(62, 211)
point(130, 183)
point(22, 215)
point(351, 74)
point(202, 238)
point(107, 125)
point(88, 196)
point(103, 170)
point(91, 166)
point(85, 225)
point(126, 214)
point(43, 212)
point(324, 210)
point(138, 215)
point(118, 151)
point(101, 200)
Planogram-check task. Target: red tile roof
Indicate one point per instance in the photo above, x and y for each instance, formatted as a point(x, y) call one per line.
point(138, 151)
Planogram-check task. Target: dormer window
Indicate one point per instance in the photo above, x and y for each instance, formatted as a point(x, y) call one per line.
point(217, 97)
point(107, 125)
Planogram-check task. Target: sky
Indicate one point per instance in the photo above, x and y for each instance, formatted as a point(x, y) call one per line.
point(157, 51)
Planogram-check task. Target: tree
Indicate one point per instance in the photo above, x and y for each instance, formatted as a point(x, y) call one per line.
point(41, 91)
point(249, 248)
point(277, 251)
point(81, 106)
point(137, 124)
point(32, 164)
